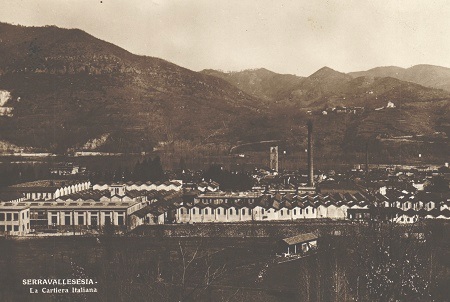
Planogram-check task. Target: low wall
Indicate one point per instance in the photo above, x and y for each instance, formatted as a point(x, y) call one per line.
point(255, 229)
point(284, 229)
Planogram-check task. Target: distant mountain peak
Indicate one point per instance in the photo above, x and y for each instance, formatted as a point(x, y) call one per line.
point(326, 69)
point(427, 75)
point(327, 72)
point(429, 67)
point(426, 65)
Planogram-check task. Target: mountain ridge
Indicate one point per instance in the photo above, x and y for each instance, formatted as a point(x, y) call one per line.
point(325, 86)
point(93, 82)
point(70, 91)
point(427, 75)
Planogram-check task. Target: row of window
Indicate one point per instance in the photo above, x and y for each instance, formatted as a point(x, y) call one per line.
point(288, 212)
point(15, 228)
point(417, 203)
point(359, 216)
point(224, 200)
point(81, 221)
point(407, 206)
point(206, 211)
point(39, 195)
point(43, 214)
point(10, 216)
point(408, 219)
point(118, 190)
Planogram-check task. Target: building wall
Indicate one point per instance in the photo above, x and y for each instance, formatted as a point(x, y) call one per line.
point(303, 247)
point(258, 213)
point(322, 212)
point(407, 219)
point(335, 212)
point(246, 214)
point(309, 212)
point(221, 214)
point(233, 214)
point(204, 213)
point(15, 221)
point(271, 214)
point(237, 214)
point(284, 214)
point(182, 215)
point(296, 213)
point(85, 218)
point(209, 214)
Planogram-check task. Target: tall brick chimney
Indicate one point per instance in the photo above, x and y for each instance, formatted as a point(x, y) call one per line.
point(310, 154)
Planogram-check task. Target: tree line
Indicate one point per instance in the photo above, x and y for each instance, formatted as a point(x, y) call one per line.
point(11, 174)
point(149, 169)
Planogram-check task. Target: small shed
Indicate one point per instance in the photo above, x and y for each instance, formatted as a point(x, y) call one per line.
point(300, 244)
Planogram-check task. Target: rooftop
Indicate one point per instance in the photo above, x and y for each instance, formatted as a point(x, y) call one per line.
point(68, 206)
point(229, 194)
point(13, 206)
point(300, 238)
point(50, 183)
point(9, 196)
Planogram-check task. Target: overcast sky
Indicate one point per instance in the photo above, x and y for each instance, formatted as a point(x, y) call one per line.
point(297, 37)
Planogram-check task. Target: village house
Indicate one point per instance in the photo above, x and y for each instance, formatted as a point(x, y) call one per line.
point(298, 245)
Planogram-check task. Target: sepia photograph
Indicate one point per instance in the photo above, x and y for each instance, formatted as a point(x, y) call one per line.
point(221, 151)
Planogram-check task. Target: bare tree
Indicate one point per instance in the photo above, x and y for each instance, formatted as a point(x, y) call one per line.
point(186, 262)
point(198, 273)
